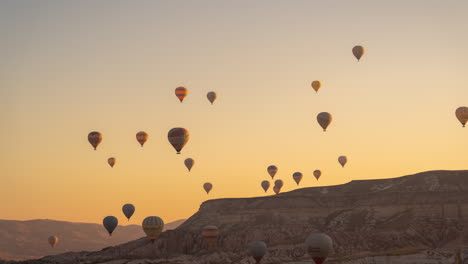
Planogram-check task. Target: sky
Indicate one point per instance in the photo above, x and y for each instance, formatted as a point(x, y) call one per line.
point(71, 67)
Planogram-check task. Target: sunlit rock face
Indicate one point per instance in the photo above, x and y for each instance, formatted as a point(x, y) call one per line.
point(423, 217)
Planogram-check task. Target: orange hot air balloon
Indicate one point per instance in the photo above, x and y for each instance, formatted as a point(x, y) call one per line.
point(111, 161)
point(324, 119)
point(94, 139)
point(316, 85)
point(207, 186)
point(265, 185)
point(276, 189)
point(358, 51)
point(317, 174)
point(211, 97)
point(210, 233)
point(181, 92)
point(297, 176)
point(178, 137)
point(272, 170)
point(142, 137)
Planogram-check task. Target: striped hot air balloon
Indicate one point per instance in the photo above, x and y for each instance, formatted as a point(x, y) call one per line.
point(181, 92)
point(210, 233)
point(94, 139)
point(142, 137)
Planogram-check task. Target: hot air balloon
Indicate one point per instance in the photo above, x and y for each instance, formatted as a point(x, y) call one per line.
point(297, 176)
point(53, 240)
point(111, 161)
point(178, 137)
point(265, 185)
point(257, 249)
point(358, 51)
point(207, 186)
point(276, 189)
point(128, 210)
point(316, 85)
point(181, 92)
point(342, 160)
point(272, 169)
point(317, 174)
point(324, 119)
point(279, 183)
point(319, 246)
point(152, 226)
point(189, 163)
point(94, 139)
point(210, 233)
point(142, 137)
point(462, 114)
point(110, 223)
point(211, 97)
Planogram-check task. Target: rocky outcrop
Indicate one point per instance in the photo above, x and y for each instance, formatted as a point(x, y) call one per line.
point(367, 219)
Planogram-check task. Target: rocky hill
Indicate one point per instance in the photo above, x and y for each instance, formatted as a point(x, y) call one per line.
point(28, 239)
point(422, 216)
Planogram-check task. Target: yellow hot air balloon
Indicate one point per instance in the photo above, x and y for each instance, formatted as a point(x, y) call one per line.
point(211, 97)
point(272, 170)
point(189, 163)
point(181, 92)
point(178, 137)
point(152, 226)
point(358, 51)
point(94, 139)
point(316, 85)
point(142, 137)
point(462, 114)
point(111, 161)
point(207, 186)
point(297, 176)
point(53, 240)
point(342, 160)
point(210, 233)
point(317, 174)
point(324, 119)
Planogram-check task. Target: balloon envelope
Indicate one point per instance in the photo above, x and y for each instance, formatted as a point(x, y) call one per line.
point(279, 183)
point(316, 85)
point(462, 115)
point(210, 233)
point(178, 137)
point(272, 170)
point(342, 160)
point(207, 186)
point(358, 51)
point(53, 240)
point(317, 174)
point(324, 119)
point(94, 139)
point(257, 249)
point(211, 97)
point(128, 210)
point(297, 176)
point(181, 92)
point(142, 137)
point(189, 163)
point(265, 185)
point(319, 246)
point(152, 226)
point(276, 189)
point(110, 223)
point(111, 161)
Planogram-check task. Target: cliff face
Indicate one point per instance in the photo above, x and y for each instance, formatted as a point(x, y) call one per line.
point(406, 215)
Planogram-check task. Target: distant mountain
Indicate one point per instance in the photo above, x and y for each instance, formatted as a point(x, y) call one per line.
point(28, 239)
point(419, 219)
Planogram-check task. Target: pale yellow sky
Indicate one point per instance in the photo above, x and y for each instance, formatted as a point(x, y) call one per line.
point(69, 68)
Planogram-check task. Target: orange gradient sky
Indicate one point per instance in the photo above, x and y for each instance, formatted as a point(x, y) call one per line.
point(71, 67)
